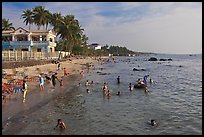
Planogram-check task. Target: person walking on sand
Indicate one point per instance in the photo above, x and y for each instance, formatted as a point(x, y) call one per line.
point(58, 67)
point(54, 77)
point(65, 72)
point(24, 89)
point(41, 83)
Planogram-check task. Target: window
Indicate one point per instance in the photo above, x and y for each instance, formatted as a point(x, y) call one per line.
point(24, 49)
point(38, 50)
point(50, 39)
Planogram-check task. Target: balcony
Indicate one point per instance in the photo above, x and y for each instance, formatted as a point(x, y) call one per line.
point(20, 43)
point(40, 43)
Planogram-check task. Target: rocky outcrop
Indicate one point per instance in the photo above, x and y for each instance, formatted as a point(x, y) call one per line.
point(139, 69)
point(153, 59)
point(162, 59)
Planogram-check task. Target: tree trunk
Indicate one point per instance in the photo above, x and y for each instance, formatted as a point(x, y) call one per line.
point(61, 50)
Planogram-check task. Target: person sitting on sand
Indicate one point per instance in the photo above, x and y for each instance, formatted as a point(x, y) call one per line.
point(61, 124)
point(47, 77)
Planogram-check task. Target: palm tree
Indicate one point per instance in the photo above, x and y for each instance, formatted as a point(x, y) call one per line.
point(69, 31)
point(84, 40)
point(28, 17)
point(6, 25)
point(40, 16)
point(54, 20)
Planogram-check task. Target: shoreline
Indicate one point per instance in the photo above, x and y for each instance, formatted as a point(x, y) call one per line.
point(14, 110)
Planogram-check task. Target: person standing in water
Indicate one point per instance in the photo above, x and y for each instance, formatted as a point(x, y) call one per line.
point(131, 87)
point(145, 79)
point(118, 79)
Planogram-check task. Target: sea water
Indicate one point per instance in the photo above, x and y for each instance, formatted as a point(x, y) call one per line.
point(174, 100)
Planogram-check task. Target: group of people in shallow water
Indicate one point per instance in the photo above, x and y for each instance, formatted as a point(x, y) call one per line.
point(107, 92)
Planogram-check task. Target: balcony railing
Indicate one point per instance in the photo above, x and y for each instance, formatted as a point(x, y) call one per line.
point(26, 43)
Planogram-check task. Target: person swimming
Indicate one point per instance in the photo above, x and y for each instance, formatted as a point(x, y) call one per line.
point(118, 93)
point(153, 122)
point(151, 81)
point(108, 94)
point(61, 124)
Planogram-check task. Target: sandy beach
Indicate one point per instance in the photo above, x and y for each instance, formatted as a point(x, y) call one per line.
point(14, 109)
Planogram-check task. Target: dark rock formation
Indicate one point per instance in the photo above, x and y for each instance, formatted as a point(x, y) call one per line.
point(152, 59)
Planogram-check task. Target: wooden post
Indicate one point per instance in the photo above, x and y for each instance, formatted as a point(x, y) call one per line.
point(9, 55)
point(16, 55)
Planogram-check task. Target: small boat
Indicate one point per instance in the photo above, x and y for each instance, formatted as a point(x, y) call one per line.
point(139, 86)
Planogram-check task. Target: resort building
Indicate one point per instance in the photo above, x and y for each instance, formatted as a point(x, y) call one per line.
point(27, 40)
point(94, 46)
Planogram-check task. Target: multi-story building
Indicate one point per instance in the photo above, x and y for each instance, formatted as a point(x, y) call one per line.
point(27, 40)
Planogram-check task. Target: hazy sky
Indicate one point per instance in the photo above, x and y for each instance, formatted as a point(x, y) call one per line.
point(160, 27)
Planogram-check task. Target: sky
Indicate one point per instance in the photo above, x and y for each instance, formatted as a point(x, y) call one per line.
point(158, 27)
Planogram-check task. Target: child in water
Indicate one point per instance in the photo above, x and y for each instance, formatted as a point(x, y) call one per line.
point(108, 94)
point(61, 83)
point(61, 124)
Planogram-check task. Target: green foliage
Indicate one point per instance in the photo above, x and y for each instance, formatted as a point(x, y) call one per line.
point(77, 50)
point(6, 25)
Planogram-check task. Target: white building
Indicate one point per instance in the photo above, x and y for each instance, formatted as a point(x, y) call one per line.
point(94, 46)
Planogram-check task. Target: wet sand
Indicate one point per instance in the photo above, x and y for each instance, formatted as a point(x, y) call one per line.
point(15, 111)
